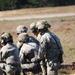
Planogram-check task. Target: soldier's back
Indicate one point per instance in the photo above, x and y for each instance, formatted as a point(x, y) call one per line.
point(10, 53)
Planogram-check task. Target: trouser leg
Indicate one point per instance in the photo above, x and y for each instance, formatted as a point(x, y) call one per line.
point(52, 69)
point(43, 67)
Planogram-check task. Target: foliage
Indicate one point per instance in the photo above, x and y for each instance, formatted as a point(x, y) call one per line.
point(16, 4)
point(7, 4)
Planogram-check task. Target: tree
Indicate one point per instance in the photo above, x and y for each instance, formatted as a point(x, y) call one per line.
point(7, 4)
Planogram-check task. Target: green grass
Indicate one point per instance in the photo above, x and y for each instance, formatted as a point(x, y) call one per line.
point(28, 21)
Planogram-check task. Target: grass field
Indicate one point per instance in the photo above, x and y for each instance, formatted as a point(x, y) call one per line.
point(37, 11)
point(63, 27)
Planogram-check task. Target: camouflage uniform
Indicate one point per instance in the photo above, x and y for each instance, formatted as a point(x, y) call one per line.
point(48, 48)
point(23, 29)
point(34, 29)
point(9, 54)
point(29, 54)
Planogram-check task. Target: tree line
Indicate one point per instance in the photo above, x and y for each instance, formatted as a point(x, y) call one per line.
point(17, 4)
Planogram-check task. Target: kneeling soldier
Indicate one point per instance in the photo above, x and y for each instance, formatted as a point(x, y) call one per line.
point(10, 55)
point(29, 54)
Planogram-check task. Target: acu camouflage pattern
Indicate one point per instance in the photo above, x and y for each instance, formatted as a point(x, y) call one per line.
point(50, 52)
point(10, 55)
point(30, 49)
point(38, 37)
point(29, 57)
point(42, 24)
point(23, 37)
point(21, 29)
point(19, 45)
point(32, 25)
point(6, 37)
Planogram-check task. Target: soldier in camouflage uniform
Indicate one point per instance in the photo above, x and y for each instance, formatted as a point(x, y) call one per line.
point(49, 47)
point(35, 31)
point(10, 55)
point(29, 54)
point(23, 29)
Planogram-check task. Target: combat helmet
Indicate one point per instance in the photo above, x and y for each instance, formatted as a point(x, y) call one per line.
point(23, 37)
point(43, 24)
point(21, 29)
point(6, 37)
point(33, 27)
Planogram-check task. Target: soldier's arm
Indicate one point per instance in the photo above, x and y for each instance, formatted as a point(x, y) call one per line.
point(19, 45)
point(42, 49)
point(1, 59)
point(21, 55)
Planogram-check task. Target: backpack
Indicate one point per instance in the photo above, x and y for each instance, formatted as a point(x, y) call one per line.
point(60, 57)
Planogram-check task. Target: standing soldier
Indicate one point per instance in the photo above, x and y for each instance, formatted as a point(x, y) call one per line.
point(22, 29)
point(35, 31)
point(10, 55)
point(29, 54)
point(50, 48)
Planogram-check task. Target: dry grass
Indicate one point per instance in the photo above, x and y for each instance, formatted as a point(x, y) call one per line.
point(65, 30)
point(36, 11)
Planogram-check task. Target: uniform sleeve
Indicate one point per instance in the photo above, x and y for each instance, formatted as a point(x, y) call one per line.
point(19, 45)
point(35, 58)
point(21, 55)
point(3, 54)
point(42, 48)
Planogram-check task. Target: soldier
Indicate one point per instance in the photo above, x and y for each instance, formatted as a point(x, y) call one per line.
point(50, 48)
point(10, 55)
point(23, 29)
point(35, 31)
point(29, 54)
